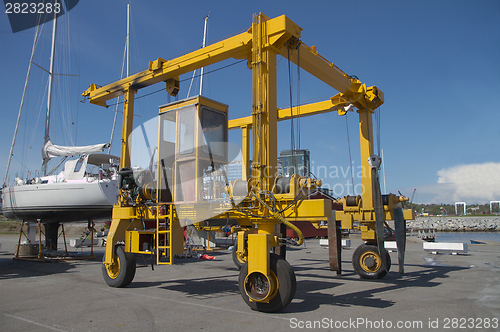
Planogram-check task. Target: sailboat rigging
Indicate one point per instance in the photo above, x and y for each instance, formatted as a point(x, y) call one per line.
point(85, 189)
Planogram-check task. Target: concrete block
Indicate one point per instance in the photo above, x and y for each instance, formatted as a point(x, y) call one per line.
point(25, 242)
point(445, 247)
point(77, 243)
point(209, 239)
point(27, 250)
point(391, 246)
point(346, 243)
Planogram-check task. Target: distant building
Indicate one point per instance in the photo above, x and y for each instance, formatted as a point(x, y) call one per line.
point(234, 170)
point(294, 162)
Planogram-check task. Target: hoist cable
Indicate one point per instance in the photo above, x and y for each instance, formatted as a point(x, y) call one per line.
point(378, 121)
point(298, 97)
point(186, 79)
point(292, 129)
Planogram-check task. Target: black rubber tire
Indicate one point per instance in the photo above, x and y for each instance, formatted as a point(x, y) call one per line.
point(126, 271)
point(238, 261)
point(366, 272)
point(287, 284)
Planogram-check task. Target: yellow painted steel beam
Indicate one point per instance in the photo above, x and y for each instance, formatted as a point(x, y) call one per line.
point(245, 123)
point(326, 106)
point(128, 120)
point(122, 220)
point(265, 41)
point(161, 70)
point(366, 150)
point(278, 30)
point(309, 208)
point(245, 151)
point(350, 88)
point(319, 67)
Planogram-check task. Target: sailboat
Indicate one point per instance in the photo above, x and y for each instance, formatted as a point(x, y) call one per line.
point(86, 189)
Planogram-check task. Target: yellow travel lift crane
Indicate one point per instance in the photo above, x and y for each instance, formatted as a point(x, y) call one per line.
point(154, 205)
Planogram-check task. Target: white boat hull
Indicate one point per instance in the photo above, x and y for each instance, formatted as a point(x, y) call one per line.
point(60, 202)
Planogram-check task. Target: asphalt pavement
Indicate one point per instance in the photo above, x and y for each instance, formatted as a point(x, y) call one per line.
point(437, 292)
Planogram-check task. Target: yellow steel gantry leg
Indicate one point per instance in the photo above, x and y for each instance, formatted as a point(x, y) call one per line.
point(264, 130)
point(366, 148)
point(119, 272)
point(128, 121)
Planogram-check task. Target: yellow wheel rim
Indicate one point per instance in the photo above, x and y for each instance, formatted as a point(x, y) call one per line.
point(370, 262)
point(261, 289)
point(276, 285)
point(113, 269)
point(242, 257)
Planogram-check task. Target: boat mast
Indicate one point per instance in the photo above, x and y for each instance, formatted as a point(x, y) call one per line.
point(128, 39)
point(203, 45)
point(194, 71)
point(127, 52)
point(49, 97)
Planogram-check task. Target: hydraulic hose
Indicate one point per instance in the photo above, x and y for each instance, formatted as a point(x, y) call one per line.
point(288, 224)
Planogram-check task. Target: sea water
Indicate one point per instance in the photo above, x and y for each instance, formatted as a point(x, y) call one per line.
point(465, 237)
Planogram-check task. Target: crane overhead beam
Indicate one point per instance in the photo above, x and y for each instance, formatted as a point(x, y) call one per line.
point(318, 66)
point(350, 88)
point(326, 106)
point(282, 33)
point(280, 30)
point(161, 70)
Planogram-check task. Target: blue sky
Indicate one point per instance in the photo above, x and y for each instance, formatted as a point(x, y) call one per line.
point(436, 62)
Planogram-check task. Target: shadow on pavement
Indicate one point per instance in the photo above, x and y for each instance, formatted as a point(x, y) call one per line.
point(312, 291)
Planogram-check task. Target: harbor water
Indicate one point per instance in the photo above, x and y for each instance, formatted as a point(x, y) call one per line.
point(466, 237)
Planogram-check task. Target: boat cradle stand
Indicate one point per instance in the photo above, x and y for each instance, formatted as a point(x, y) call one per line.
point(32, 251)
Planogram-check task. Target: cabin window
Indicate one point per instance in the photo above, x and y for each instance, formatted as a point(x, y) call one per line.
point(186, 132)
point(213, 124)
point(168, 131)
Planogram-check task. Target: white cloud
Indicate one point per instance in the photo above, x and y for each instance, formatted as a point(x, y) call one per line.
point(473, 183)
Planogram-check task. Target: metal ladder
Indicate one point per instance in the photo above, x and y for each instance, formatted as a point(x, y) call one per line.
point(163, 235)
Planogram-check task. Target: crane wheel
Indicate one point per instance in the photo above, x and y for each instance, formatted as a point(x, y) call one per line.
point(239, 259)
point(282, 276)
point(122, 272)
point(367, 262)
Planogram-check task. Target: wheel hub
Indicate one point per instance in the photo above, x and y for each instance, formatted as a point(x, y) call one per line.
point(260, 288)
point(241, 257)
point(257, 286)
point(370, 262)
point(113, 269)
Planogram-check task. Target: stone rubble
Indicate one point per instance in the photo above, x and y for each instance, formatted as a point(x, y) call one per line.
point(456, 224)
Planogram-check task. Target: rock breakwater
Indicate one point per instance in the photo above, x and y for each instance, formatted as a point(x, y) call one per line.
point(455, 224)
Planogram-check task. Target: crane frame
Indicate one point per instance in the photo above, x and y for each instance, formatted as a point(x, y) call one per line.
point(259, 45)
